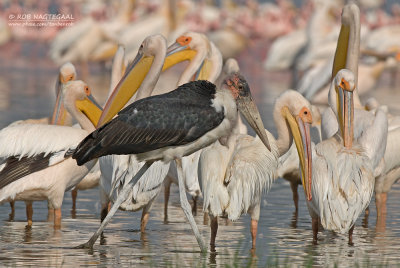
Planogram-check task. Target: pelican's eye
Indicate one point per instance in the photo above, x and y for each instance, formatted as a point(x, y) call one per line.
point(87, 90)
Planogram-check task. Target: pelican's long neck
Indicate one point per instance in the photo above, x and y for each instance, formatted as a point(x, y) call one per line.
point(216, 59)
point(117, 70)
point(332, 99)
point(193, 66)
point(348, 48)
point(150, 81)
point(285, 137)
point(353, 53)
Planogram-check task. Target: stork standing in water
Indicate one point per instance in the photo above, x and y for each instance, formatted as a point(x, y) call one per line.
point(148, 64)
point(34, 165)
point(172, 125)
point(206, 64)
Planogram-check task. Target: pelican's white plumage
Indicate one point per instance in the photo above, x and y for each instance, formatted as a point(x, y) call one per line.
point(14, 142)
point(144, 191)
point(343, 175)
point(234, 177)
point(206, 53)
point(288, 166)
point(44, 178)
point(342, 184)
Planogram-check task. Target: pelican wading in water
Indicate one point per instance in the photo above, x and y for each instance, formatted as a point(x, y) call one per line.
point(235, 175)
point(34, 164)
point(205, 65)
point(342, 169)
point(92, 179)
point(371, 128)
point(288, 166)
point(67, 73)
point(169, 126)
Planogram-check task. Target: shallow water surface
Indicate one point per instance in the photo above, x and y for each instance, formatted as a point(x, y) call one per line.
point(283, 237)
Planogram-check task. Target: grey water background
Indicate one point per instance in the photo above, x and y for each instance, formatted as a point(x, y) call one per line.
point(27, 91)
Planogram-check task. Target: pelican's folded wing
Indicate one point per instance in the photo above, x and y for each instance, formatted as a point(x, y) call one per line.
point(29, 148)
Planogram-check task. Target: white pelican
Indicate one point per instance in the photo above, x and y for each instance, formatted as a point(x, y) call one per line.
point(284, 51)
point(391, 160)
point(207, 64)
point(113, 167)
point(207, 61)
point(67, 73)
point(172, 125)
point(288, 166)
point(34, 162)
point(151, 53)
point(92, 179)
point(234, 176)
point(342, 171)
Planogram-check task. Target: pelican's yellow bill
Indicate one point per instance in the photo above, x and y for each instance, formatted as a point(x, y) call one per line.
point(125, 89)
point(90, 109)
point(177, 57)
point(205, 70)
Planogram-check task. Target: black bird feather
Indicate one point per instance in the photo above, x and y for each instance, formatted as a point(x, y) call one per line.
point(172, 119)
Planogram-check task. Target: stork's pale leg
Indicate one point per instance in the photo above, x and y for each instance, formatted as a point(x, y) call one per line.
point(253, 230)
point(351, 235)
point(57, 218)
point(186, 206)
point(11, 215)
point(167, 187)
point(214, 230)
point(29, 213)
point(74, 194)
point(315, 230)
point(380, 202)
point(294, 185)
point(122, 196)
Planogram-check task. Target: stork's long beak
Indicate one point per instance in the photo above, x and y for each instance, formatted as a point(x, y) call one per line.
point(302, 138)
point(250, 112)
point(90, 107)
point(126, 88)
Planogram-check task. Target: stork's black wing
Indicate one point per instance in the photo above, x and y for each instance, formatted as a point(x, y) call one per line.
point(171, 119)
